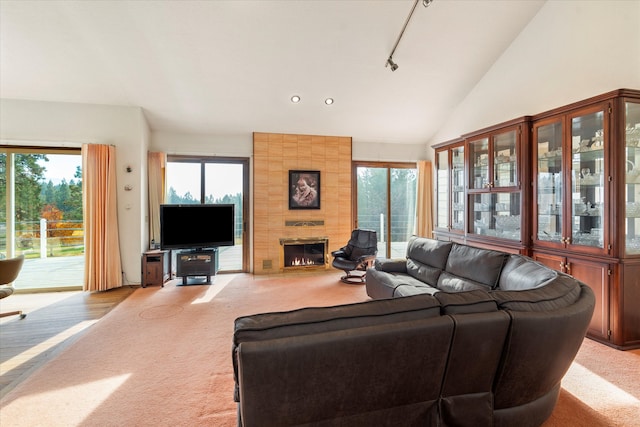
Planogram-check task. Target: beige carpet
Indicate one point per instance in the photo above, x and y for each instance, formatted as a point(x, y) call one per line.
point(163, 358)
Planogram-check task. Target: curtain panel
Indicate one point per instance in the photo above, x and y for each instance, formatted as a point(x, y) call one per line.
point(103, 266)
point(157, 163)
point(424, 200)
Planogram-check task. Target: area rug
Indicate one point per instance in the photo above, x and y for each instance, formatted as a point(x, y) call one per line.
point(163, 358)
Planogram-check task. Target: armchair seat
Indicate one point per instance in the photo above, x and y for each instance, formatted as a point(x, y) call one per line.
point(359, 254)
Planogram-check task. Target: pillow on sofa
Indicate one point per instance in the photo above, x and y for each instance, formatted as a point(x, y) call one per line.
point(477, 301)
point(476, 264)
point(521, 273)
point(560, 292)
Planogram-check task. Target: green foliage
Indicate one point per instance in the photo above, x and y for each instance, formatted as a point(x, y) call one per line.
point(33, 194)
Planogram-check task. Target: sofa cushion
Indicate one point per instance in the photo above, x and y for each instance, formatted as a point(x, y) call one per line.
point(423, 272)
point(449, 283)
point(431, 252)
point(476, 264)
point(560, 292)
point(391, 265)
point(521, 273)
point(477, 301)
point(313, 320)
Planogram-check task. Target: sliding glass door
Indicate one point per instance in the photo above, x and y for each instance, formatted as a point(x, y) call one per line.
point(386, 202)
point(195, 180)
point(41, 216)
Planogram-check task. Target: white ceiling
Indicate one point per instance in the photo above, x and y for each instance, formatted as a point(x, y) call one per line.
point(230, 67)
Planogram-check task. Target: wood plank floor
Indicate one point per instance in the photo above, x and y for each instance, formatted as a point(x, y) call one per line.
point(54, 321)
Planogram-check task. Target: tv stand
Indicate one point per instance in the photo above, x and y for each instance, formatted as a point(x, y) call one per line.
point(200, 262)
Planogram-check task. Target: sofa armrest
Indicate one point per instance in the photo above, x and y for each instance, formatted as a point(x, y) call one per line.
point(391, 265)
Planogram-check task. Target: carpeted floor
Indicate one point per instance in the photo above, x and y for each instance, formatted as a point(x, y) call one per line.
point(163, 358)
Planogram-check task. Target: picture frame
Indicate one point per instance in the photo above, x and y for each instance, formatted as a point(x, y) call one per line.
point(304, 189)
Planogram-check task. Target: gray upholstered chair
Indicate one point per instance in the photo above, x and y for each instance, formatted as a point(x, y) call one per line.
point(359, 253)
point(9, 270)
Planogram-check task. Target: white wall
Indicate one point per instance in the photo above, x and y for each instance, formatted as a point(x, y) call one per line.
point(70, 125)
point(571, 50)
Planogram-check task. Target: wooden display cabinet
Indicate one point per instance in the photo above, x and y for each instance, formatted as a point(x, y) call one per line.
point(564, 186)
point(450, 189)
point(585, 212)
point(597, 275)
point(497, 194)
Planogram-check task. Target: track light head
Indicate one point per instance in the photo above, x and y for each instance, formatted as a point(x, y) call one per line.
point(391, 64)
point(426, 3)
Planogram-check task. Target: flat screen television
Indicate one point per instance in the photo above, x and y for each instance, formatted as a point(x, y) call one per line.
point(196, 226)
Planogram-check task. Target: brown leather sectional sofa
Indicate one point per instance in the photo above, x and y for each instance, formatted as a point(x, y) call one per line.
point(459, 336)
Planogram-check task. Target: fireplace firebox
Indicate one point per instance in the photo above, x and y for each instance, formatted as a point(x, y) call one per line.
point(303, 253)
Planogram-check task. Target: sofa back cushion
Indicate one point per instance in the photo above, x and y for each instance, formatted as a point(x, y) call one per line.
point(474, 266)
point(314, 320)
point(521, 273)
point(426, 258)
point(477, 301)
point(560, 292)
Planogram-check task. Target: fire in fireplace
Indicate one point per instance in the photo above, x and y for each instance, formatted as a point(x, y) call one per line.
point(306, 252)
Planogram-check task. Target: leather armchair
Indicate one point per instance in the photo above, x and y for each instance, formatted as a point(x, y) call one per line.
point(359, 254)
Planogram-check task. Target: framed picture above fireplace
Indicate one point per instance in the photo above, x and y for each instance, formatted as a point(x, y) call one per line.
point(304, 189)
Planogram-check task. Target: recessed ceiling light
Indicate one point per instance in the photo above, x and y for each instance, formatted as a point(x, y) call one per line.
point(295, 99)
point(328, 101)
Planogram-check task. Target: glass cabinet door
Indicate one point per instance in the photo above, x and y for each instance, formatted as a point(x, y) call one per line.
point(442, 188)
point(632, 178)
point(505, 160)
point(587, 179)
point(479, 170)
point(457, 189)
point(496, 215)
point(549, 185)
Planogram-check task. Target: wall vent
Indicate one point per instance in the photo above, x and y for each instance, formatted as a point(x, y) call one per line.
point(267, 264)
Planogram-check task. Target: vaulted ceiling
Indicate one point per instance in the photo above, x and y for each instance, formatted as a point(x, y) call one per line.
point(231, 67)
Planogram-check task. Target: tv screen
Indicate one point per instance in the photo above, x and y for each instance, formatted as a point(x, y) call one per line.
point(196, 226)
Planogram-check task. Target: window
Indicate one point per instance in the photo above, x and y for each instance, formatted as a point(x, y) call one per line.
point(194, 180)
point(386, 202)
point(41, 216)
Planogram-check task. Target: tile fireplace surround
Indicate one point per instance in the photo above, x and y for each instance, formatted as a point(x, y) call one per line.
point(274, 155)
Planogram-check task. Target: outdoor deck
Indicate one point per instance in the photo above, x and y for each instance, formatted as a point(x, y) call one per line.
point(67, 273)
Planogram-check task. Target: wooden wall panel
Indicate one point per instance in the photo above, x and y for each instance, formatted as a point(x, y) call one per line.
point(274, 156)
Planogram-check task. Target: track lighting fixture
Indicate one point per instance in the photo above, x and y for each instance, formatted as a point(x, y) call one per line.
point(390, 62)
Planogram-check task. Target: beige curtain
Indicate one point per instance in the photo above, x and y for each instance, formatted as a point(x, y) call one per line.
point(425, 199)
point(157, 164)
point(103, 268)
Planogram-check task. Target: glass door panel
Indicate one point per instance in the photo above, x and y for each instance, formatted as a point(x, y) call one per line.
point(505, 159)
point(223, 185)
point(457, 187)
point(587, 179)
point(42, 217)
point(479, 171)
point(184, 182)
point(632, 178)
point(497, 215)
point(402, 209)
point(387, 204)
point(549, 182)
point(442, 190)
point(195, 180)
point(372, 203)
